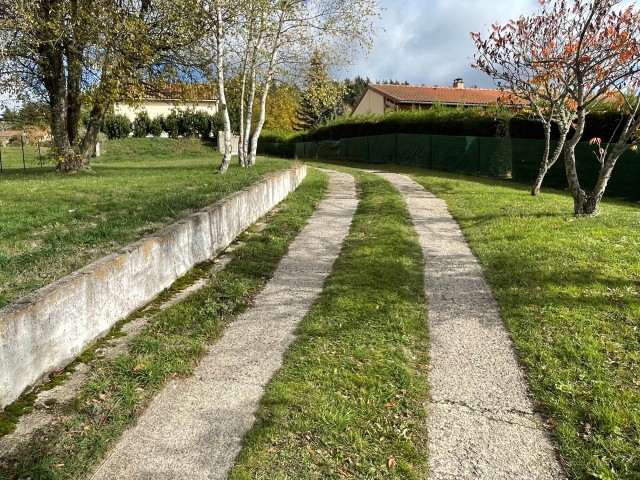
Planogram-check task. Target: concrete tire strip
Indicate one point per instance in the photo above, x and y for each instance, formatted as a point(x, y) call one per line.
point(193, 428)
point(481, 421)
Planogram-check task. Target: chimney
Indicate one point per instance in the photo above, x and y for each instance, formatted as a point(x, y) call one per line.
point(458, 83)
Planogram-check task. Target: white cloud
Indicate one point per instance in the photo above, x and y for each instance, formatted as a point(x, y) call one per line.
point(428, 42)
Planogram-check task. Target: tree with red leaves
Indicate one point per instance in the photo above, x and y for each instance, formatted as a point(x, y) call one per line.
point(569, 58)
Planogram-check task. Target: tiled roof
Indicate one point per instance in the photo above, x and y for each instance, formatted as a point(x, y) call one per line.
point(445, 95)
point(181, 91)
point(5, 134)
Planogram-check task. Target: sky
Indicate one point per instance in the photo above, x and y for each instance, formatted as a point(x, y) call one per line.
point(427, 41)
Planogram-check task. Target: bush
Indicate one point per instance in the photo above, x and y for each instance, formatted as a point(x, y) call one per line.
point(217, 123)
point(141, 124)
point(203, 122)
point(155, 126)
point(187, 123)
point(116, 126)
point(171, 124)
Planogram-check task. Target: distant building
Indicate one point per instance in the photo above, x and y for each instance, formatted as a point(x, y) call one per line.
point(29, 136)
point(164, 99)
point(380, 99)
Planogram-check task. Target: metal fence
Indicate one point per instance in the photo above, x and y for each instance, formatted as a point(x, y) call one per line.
point(23, 157)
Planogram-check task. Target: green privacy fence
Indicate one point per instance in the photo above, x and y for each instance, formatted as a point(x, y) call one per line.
point(471, 155)
point(624, 182)
point(484, 156)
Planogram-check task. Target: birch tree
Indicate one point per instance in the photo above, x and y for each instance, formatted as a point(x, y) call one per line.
point(285, 34)
point(221, 15)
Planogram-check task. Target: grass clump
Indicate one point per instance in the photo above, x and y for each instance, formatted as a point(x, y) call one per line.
point(569, 291)
point(52, 224)
point(348, 401)
point(170, 347)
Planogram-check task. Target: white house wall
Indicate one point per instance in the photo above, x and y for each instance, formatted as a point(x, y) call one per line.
point(372, 102)
point(156, 107)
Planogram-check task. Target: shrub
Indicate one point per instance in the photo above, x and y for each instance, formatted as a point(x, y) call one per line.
point(141, 124)
point(203, 122)
point(155, 126)
point(116, 126)
point(171, 124)
point(217, 123)
point(187, 124)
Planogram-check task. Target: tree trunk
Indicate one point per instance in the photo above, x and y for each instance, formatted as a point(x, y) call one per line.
point(258, 130)
point(249, 121)
point(88, 144)
point(544, 166)
point(579, 195)
point(593, 200)
point(226, 159)
point(547, 161)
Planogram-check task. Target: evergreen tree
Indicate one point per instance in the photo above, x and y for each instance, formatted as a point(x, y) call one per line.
point(322, 100)
point(355, 89)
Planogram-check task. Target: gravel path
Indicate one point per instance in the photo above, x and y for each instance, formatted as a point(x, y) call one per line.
point(193, 428)
point(481, 421)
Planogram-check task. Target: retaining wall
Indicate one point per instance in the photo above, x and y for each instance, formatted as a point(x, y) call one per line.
point(44, 331)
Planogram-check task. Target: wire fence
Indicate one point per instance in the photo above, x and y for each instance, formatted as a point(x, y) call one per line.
point(23, 156)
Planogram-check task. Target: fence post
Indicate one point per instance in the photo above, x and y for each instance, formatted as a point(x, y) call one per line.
point(24, 163)
point(479, 152)
point(0, 156)
point(39, 154)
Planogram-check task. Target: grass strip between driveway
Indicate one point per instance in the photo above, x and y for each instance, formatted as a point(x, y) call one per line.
point(170, 347)
point(349, 399)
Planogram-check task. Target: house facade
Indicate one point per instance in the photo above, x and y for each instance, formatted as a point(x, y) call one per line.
point(380, 99)
point(163, 100)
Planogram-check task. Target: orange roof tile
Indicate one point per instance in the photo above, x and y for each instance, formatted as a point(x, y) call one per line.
point(405, 94)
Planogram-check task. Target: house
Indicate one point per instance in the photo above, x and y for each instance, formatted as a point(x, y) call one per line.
point(30, 135)
point(380, 99)
point(164, 99)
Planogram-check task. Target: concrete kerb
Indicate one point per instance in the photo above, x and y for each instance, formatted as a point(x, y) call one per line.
point(44, 331)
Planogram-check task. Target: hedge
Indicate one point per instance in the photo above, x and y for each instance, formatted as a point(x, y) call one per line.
point(472, 122)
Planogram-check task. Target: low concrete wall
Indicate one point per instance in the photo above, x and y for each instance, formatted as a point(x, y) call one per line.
point(44, 331)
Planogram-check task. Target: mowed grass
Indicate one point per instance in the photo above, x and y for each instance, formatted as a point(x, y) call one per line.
point(170, 347)
point(349, 399)
point(52, 223)
point(569, 291)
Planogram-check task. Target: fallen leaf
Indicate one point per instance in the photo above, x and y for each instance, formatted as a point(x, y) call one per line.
point(391, 462)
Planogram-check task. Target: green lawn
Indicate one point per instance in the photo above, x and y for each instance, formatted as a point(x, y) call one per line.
point(34, 158)
point(52, 223)
point(569, 291)
point(347, 402)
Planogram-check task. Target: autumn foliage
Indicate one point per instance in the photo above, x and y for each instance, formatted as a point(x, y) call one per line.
point(566, 60)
